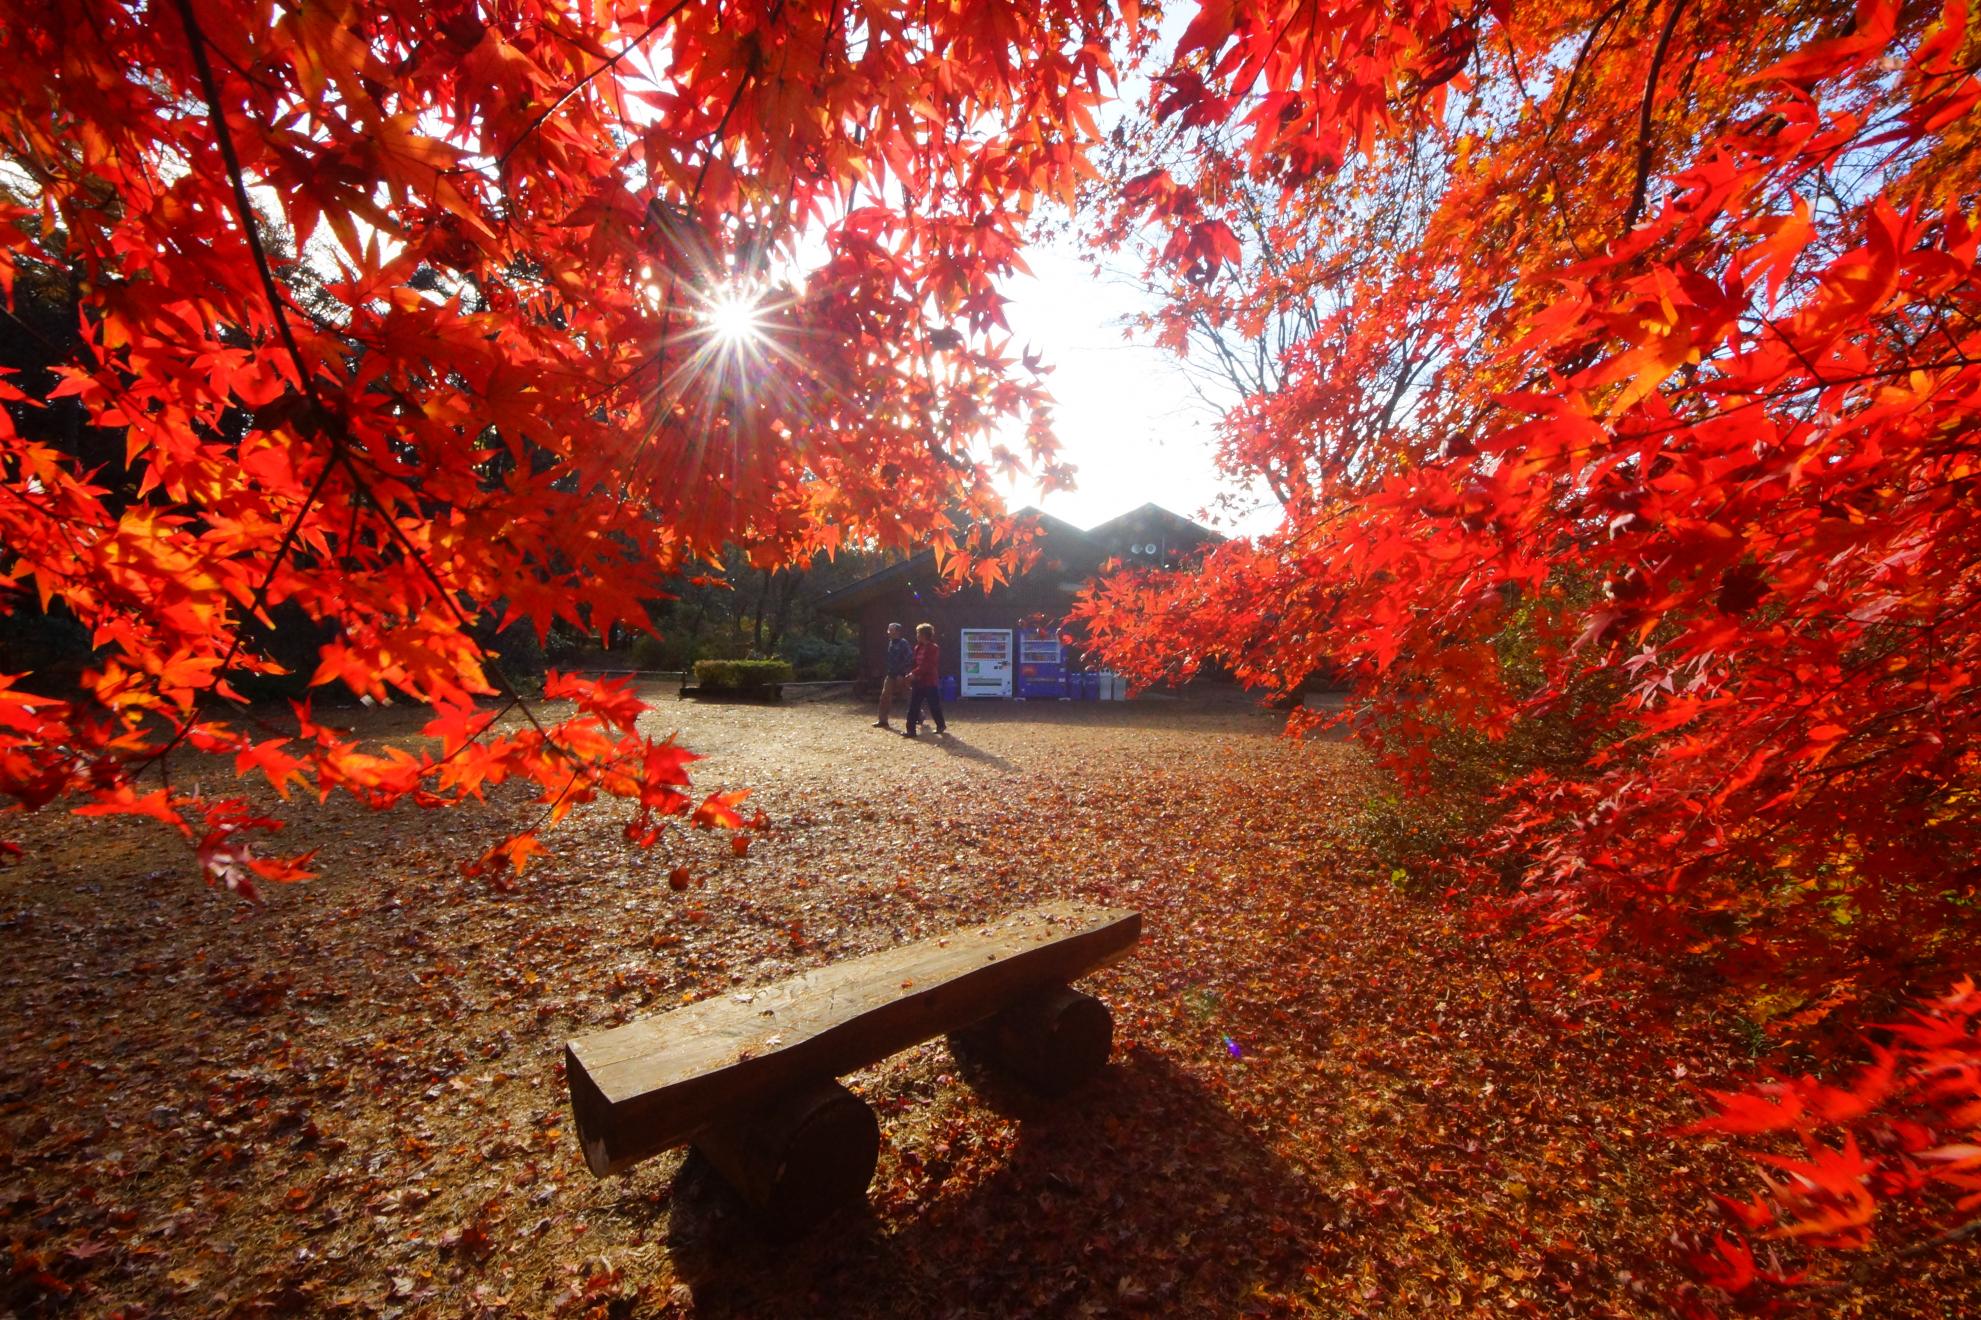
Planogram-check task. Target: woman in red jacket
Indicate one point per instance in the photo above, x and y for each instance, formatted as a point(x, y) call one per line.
point(924, 681)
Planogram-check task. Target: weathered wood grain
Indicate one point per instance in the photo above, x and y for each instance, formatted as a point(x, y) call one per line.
point(641, 1088)
point(796, 1160)
point(1052, 1040)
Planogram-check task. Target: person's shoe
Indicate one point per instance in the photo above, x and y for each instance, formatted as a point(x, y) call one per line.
point(909, 734)
point(882, 724)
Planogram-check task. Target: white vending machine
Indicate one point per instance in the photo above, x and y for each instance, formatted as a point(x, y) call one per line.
point(986, 662)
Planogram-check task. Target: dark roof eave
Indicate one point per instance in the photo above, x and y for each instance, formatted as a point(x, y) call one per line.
point(846, 601)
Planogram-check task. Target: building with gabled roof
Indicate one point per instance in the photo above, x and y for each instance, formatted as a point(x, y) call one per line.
point(913, 591)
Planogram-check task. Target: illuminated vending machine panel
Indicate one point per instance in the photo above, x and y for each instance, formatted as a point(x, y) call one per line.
point(1041, 670)
point(986, 662)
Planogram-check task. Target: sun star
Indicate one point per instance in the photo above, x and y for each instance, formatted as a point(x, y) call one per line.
point(732, 318)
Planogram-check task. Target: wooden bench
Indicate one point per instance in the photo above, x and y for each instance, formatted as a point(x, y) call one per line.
point(748, 1077)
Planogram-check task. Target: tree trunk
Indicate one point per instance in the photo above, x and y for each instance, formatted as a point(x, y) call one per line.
point(785, 595)
point(757, 631)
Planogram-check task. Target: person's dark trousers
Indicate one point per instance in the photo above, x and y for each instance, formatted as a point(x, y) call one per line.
point(930, 693)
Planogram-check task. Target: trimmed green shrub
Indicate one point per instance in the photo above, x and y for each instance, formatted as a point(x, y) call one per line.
point(742, 676)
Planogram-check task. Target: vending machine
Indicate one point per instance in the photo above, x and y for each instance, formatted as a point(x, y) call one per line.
point(1041, 667)
point(986, 662)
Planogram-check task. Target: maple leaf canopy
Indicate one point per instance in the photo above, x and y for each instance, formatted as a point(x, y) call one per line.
point(1616, 371)
point(423, 320)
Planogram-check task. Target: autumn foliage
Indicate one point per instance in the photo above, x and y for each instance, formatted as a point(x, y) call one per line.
point(1617, 368)
point(1906, 1127)
point(1693, 417)
point(405, 323)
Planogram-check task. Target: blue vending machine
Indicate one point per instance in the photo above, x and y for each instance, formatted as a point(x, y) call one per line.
point(1041, 666)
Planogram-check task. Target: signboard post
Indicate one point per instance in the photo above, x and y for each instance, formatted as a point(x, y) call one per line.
point(1041, 666)
point(986, 662)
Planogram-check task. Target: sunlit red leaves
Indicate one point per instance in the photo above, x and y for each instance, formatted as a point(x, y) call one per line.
point(1905, 1126)
point(227, 854)
point(718, 811)
point(267, 756)
point(506, 859)
point(1303, 73)
point(503, 405)
point(614, 702)
point(1729, 1264)
point(1802, 1102)
point(124, 800)
point(1824, 1196)
point(221, 833)
point(1677, 487)
point(1718, 474)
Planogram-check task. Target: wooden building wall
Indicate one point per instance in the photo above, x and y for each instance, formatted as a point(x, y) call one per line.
point(950, 615)
point(1067, 557)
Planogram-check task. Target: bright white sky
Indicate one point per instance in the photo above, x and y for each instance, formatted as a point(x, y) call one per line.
point(1126, 417)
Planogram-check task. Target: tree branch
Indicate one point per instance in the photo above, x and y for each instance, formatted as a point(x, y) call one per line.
point(543, 116)
point(244, 210)
point(1603, 20)
point(1644, 117)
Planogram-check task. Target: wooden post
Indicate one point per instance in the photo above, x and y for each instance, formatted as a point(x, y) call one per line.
point(799, 1158)
point(1052, 1040)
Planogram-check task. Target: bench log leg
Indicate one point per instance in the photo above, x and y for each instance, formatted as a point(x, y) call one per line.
point(799, 1158)
point(1052, 1041)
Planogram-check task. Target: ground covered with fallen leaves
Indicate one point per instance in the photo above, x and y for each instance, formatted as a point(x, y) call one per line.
point(1327, 1097)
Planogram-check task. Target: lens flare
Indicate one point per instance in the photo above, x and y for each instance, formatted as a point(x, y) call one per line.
point(733, 318)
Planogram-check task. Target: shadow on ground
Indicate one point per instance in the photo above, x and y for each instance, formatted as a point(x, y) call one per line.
point(956, 745)
point(1139, 1191)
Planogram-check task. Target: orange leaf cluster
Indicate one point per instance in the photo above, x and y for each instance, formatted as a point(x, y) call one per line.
point(1628, 383)
point(1618, 371)
point(395, 325)
point(1906, 1127)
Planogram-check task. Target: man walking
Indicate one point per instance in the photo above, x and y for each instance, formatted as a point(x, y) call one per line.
point(900, 661)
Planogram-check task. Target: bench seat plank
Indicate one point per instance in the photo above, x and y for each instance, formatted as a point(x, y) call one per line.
point(643, 1087)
